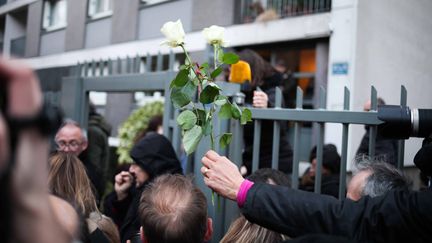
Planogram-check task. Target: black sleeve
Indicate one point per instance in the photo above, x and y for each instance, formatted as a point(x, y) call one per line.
point(116, 209)
point(399, 216)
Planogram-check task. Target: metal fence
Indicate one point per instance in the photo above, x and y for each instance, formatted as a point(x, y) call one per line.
point(137, 74)
point(251, 9)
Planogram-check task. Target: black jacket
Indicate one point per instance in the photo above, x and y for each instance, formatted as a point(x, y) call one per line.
point(385, 149)
point(266, 143)
point(398, 216)
point(154, 154)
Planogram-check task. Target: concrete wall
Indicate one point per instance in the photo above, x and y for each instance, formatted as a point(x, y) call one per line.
point(53, 42)
point(76, 20)
point(98, 33)
point(210, 12)
point(14, 28)
point(393, 48)
point(152, 18)
point(341, 50)
point(124, 20)
point(34, 20)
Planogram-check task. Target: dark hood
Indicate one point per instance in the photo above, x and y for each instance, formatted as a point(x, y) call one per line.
point(155, 154)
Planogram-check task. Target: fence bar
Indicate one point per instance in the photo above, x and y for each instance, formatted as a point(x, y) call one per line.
point(119, 65)
point(320, 142)
point(372, 129)
point(136, 64)
point(128, 64)
point(401, 143)
point(148, 63)
point(276, 131)
point(296, 155)
point(344, 154)
point(93, 68)
point(110, 67)
point(256, 145)
point(159, 62)
point(171, 61)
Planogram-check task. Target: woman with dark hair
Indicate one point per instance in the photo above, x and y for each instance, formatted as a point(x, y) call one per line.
point(265, 77)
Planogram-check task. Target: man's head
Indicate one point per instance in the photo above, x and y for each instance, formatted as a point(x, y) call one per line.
point(71, 138)
point(173, 209)
point(375, 178)
point(153, 156)
point(331, 160)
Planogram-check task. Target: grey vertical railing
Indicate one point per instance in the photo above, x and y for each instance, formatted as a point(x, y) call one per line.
point(401, 143)
point(297, 131)
point(276, 132)
point(344, 150)
point(372, 129)
point(320, 143)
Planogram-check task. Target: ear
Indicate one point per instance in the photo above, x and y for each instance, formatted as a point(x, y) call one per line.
point(143, 239)
point(209, 232)
point(84, 144)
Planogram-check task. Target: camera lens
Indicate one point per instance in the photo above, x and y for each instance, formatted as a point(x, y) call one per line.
point(401, 122)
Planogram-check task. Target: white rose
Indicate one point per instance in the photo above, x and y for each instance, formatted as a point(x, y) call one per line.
point(174, 33)
point(214, 35)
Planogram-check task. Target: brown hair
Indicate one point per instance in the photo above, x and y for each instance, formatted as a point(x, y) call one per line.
point(172, 209)
point(107, 226)
point(260, 68)
point(68, 179)
point(243, 231)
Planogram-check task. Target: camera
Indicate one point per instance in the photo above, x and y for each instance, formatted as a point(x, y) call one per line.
point(401, 122)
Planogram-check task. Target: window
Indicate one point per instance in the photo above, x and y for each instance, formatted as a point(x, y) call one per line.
point(99, 8)
point(151, 2)
point(54, 14)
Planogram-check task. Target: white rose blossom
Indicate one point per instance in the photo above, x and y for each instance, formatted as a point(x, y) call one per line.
point(214, 35)
point(174, 33)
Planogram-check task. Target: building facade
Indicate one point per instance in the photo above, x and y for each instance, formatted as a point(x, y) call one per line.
point(334, 44)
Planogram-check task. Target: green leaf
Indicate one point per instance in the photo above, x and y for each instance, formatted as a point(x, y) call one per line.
point(230, 58)
point(204, 65)
point(225, 111)
point(183, 67)
point(209, 93)
point(235, 111)
point(208, 127)
point(191, 139)
point(225, 139)
point(220, 100)
point(181, 78)
point(189, 89)
point(187, 119)
point(216, 72)
point(201, 115)
point(179, 99)
point(246, 116)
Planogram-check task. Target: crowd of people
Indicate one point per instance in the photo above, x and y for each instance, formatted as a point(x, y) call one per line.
point(59, 197)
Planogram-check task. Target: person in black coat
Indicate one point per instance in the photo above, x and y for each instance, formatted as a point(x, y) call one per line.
point(153, 156)
point(385, 149)
point(267, 78)
point(397, 216)
point(330, 171)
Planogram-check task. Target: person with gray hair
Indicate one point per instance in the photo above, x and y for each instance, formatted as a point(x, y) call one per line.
point(374, 178)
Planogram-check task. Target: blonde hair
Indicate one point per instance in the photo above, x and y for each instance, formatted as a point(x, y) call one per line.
point(106, 225)
point(68, 179)
point(243, 231)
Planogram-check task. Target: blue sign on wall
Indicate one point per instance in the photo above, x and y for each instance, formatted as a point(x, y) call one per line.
point(340, 68)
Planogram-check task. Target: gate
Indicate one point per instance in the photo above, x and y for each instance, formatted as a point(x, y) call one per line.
point(135, 74)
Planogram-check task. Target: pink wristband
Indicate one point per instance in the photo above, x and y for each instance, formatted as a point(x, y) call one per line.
point(242, 193)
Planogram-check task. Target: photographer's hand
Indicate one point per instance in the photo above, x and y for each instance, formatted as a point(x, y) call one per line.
point(29, 186)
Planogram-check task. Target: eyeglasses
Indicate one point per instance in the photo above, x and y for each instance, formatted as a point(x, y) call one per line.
point(72, 145)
